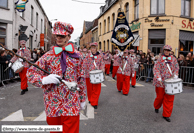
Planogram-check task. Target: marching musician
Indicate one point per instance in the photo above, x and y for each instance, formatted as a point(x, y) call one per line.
point(24, 52)
point(93, 90)
point(107, 60)
point(84, 52)
point(115, 64)
point(126, 69)
point(134, 59)
point(161, 73)
point(62, 106)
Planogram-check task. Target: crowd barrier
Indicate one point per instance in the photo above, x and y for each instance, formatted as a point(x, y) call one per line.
point(6, 75)
point(185, 73)
point(145, 71)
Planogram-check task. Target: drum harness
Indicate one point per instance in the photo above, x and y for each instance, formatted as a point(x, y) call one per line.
point(122, 70)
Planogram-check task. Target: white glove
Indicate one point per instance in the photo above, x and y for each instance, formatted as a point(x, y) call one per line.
point(10, 64)
point(83, 105)
point(133, 75)
point(159, 79)
point(21, 60)
point(51, 79)
point(175, 77)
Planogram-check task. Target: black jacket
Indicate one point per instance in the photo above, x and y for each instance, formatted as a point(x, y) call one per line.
point(3, 59)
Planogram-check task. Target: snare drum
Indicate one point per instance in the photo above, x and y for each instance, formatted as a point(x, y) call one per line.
point(173, 86)
point(96, 76)
point(17, 66)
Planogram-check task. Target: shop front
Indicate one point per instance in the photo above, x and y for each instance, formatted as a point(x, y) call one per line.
point(186, 42)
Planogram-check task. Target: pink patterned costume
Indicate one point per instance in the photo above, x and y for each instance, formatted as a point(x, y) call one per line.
point(26, 54)
point(115, 65)
point(107, 61)
point(58, 100)
point(124, 78)
point(133, 79)
point(161, 70)
point(93, 90)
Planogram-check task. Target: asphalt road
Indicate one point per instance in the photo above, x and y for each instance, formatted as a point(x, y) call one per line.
point(116, 113)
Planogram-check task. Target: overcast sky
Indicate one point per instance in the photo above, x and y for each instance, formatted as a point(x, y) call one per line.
point(72, 12)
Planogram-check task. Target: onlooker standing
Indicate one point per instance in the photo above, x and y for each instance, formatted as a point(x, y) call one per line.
point(3, 62)
point(142, 61)
point(148, 52)
point(188, 62)
point(3, 58)
point(172, 53)
point(11, 76)
point(181, 62)
point(150, 63)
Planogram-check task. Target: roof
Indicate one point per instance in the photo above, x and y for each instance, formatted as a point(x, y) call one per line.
point(91, 25)
point(88, 25)
point(107, 6)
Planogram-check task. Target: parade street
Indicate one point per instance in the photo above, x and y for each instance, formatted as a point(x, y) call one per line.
point(116, 113)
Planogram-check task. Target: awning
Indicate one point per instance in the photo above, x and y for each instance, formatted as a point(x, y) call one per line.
point(136, 42)
point(186, 35)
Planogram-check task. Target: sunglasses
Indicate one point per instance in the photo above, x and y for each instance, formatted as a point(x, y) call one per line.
point(62, 36)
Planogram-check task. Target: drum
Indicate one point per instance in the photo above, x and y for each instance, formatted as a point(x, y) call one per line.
point(173, 86)
point(96, 76)
point(17, 66)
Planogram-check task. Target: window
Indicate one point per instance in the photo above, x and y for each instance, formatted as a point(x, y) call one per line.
point(36, 20)
point(100, 28)
point(31, 42)
point(186, 8)
point(113, 20)
point(157, 7)
point(127, 11)
point(107, 44)
point(108, 23)
point(22, 14)
point(186, 46)
point(99, 45)
point(3, 28)
point(32, 10)
point(104, 46)
point(4, 3)
point(104, 26)
point(136, 9)
point(41, 25)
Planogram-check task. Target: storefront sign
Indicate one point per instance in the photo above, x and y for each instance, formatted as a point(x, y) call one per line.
point(156, 25)
point(41, 40)
point(20, 5)
point(188, 25)
point(156, 20)
point(122, 36)
point(135, 26)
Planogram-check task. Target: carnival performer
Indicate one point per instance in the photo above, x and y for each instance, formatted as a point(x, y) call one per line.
point(115, 64)
point(126, 69)
point(107, 60)
point(62, 106)
point(134, 59)
point(161, 73)
point(84, 52)
point(24, 52)
point(93, 90)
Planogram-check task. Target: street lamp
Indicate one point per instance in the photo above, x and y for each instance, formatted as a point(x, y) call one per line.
point(53, 20)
